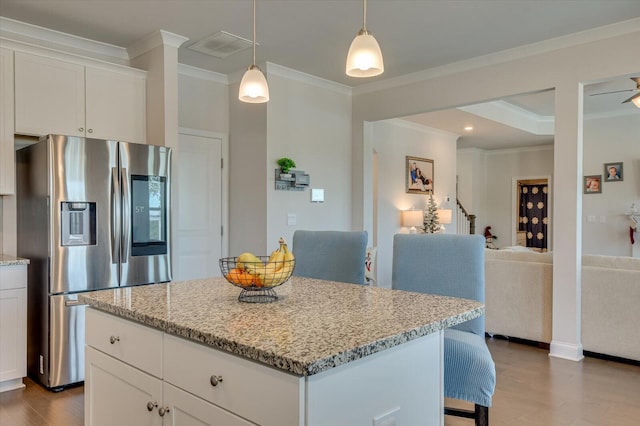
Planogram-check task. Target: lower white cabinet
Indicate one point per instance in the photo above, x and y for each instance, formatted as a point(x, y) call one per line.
point(13, 326)
point(117, 394)
point(199, 385)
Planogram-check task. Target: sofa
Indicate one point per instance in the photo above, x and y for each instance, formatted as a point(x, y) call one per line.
point(519, 298)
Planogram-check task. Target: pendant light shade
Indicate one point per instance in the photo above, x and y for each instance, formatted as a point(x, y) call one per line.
point(253, 87)
point(365, 57)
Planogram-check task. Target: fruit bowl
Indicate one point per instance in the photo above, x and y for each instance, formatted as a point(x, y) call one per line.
point(257, 279)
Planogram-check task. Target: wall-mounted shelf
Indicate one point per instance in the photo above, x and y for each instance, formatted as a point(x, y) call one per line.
point(297, 181)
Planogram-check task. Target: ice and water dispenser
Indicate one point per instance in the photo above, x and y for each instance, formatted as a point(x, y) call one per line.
point(78, 223)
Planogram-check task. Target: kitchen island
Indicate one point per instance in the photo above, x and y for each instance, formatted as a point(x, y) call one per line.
point(324, 353)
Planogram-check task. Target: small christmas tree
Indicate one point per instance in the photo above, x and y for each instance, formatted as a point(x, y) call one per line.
point(431, 220)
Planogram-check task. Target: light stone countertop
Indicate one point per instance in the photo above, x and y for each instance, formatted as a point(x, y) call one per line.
point(314, 325)
point(8, 260)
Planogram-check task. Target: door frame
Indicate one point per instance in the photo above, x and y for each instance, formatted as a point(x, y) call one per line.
point(514, 204)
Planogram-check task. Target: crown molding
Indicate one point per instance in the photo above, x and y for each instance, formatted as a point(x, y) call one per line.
point(153, 40)
point(534, 148)
point(420, 128)
point(513, 116)
point(303, 77)
point(202, 74)
point(569, 40)
point(33, 34)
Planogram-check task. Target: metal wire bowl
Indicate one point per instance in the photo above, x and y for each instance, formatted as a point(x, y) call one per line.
point(253, 289)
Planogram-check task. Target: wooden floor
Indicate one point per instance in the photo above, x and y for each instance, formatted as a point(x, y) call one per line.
point(532, 389)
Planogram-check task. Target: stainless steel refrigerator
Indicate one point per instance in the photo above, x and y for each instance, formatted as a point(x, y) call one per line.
point(92, 214)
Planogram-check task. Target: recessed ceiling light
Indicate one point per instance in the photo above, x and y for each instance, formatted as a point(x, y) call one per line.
point(468, 128)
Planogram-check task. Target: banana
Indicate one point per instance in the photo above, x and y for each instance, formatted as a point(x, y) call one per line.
point(280, 266)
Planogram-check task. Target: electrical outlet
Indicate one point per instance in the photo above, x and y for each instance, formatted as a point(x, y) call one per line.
point(387, 419)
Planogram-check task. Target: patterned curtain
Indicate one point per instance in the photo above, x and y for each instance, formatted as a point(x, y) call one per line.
point(533, 215)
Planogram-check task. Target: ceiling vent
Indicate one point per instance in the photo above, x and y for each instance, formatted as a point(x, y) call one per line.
point(221, 44)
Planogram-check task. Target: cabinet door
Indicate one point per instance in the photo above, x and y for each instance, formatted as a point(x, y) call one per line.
point(118, 394)
point(115, 105)
point(188, 410)
point(49, 96)
point(7, 156)
point(13, 334)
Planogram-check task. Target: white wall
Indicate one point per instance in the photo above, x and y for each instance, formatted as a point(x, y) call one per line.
point(203, 100)
point(393, 140)
point(308, 120)
point(472, 187)
point(608, 140)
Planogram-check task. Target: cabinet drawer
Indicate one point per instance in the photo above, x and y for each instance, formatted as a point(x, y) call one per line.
point(13, 276)
point(254, 391)
point(135, 344)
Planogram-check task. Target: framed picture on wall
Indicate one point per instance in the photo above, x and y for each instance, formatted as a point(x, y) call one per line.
point(419, 175)
point(592, 184)
point(613, 172)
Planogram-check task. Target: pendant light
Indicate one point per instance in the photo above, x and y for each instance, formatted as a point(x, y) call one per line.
point(253, 87)
point(365, 57)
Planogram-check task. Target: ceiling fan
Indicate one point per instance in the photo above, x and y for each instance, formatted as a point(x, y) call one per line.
point(635, 98)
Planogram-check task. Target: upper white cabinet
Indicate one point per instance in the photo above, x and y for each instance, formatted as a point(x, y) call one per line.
point(53, 96)
point(7, 156)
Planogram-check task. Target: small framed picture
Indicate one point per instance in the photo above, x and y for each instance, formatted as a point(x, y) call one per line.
point(419, 175)
point(592, 184)
point(613, 172)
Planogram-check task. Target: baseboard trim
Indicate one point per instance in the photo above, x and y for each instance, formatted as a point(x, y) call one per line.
point(612, 358)
point(564, 350)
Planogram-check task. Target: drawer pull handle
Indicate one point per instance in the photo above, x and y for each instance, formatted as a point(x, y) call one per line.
point(163, 410)
point(114, 339)
point(215, 380)
point(81, 129)
point(151, 405)
point(90, 130)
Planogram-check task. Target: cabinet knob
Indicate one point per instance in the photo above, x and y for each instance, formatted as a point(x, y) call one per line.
point(81, 129)
point(114, 339)
point(151, 405)
point(163, 410)
point(90, 130)
point(215, 380)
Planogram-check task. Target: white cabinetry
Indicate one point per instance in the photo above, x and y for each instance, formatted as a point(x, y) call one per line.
point(13, 326)
point(7, 156)
point(201, 385)
point(118, 393)
point(54, 96)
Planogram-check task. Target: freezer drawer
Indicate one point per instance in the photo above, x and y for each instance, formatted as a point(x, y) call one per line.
point(66, 334)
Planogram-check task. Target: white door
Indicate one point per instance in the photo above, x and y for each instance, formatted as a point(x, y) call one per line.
point(200, 207)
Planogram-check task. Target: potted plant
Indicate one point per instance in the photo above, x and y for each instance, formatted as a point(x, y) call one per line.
point(286, 164)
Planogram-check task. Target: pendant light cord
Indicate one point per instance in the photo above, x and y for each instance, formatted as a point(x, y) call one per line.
point(364, 15)
point(254, 32)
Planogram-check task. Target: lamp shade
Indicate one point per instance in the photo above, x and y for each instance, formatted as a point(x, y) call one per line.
point(444, 216)
point(365, 57)
point(636, 101)
point(411, 218)
point(253, 87)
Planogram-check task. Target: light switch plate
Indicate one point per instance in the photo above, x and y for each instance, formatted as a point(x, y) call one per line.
point(317, 195)
point(291, 219)
point(387, 419)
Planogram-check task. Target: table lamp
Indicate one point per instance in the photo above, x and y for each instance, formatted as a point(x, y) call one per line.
point(411, 219)
point(444, 217)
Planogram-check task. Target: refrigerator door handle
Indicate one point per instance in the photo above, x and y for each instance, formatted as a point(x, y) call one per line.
point(126, 216)
point(68, 303)
point(115, 216)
